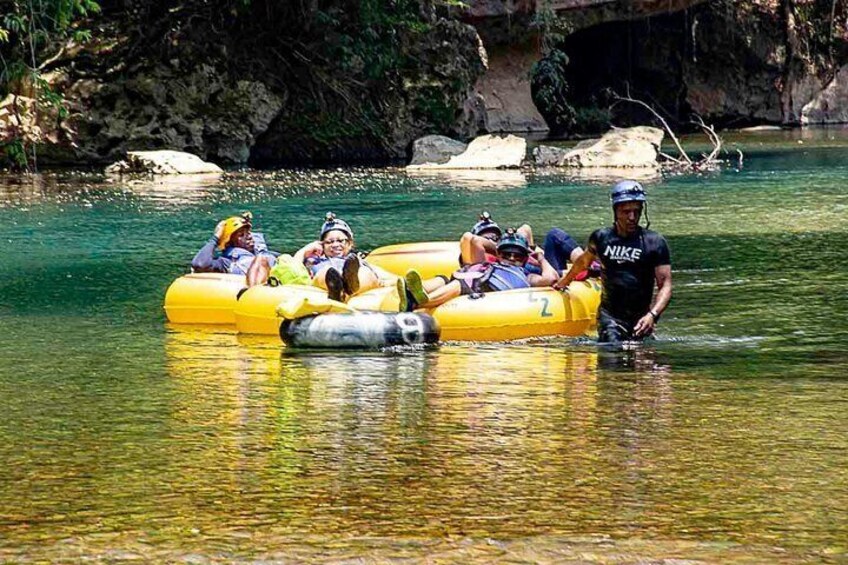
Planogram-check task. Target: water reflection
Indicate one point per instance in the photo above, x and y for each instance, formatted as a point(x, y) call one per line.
point(173, 189)
point(474, 179)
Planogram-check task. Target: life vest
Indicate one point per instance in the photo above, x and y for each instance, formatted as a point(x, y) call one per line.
point(492, 277)
point(240, 259)
point(506, 277)
point(318, 264)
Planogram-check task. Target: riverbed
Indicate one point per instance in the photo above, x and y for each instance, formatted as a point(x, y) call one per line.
point(123, 438)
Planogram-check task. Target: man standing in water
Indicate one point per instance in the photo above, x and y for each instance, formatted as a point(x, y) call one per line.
point(633, 258)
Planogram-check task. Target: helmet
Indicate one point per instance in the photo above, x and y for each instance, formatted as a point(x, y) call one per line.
point(232, 225)
point(514, 241)
point(486, 224)
point(627, 191)
point(332, 223)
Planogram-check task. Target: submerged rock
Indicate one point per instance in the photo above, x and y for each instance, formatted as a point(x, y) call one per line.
point(162, 163)
point(435, 149)
point(636, 147)
point(485, 152)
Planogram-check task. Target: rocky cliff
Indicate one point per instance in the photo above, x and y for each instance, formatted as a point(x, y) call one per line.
point(336, 81)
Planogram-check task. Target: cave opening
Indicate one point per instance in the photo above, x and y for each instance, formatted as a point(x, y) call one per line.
point(644, 57)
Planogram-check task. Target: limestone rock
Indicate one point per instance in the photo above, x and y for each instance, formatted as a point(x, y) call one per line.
point(162, 163)
point(201, 111)
point(547, 156)
point(831, 104)
point(636, 147)
point(485, 152)
point(435, 149)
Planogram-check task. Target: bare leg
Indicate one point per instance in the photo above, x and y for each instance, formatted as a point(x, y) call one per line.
point(432, 284)
point(368, 279)
point(442, 294)
point(320, 279)
point(258, 271)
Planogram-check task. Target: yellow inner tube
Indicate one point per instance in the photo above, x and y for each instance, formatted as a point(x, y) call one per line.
point(520, 313)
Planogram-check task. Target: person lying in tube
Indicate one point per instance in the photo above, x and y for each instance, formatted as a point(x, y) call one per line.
point(331, 263)
point(478, 275)
point(233, 247)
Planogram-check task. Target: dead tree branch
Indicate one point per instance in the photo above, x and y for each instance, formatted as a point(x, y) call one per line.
point(684, 161)
point(627, 98)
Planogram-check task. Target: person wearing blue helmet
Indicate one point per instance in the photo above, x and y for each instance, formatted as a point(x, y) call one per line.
point(489, 230)
point(479, 275)
point(331, 263)
point(633, 260)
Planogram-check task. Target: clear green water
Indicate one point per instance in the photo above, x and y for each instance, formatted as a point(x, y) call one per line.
point(725, 440)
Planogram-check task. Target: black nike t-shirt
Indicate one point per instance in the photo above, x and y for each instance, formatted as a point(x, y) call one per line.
point(628, 269)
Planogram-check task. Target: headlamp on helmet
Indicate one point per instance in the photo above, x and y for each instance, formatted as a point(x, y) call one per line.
point(486, 224)
point(513, 241)
point(332, 223)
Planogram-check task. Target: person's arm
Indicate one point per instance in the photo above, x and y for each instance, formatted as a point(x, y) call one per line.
point(205, 261)
point(549, 275)
point(579, 265)
point(527, 232)
point(308, 250)
point(259, 244)
point(645, 325)
point(473, 248)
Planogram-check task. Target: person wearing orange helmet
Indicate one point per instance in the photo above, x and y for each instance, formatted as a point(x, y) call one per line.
point(232, 248)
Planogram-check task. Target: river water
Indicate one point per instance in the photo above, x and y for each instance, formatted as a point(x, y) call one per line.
point(725, 440)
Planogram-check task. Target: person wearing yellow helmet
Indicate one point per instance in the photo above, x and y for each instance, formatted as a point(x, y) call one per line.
point(233, 247)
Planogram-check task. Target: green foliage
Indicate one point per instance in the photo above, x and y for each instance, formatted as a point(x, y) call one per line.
point(591, 119)
point(553, 27)
point(30, 32)
point(355, 61)
point(15, 153)
point(550, 91)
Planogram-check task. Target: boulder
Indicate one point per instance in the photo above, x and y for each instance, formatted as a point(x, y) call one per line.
point(636, 147)
point(162, 163)
point(485, 152)
point(435, 149)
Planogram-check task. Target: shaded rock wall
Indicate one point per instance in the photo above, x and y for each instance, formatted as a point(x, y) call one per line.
point(201, 76)
point(733, 63)
point(234, 88)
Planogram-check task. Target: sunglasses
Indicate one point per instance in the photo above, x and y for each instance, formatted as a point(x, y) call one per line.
point(513, 255)
point(342, 241)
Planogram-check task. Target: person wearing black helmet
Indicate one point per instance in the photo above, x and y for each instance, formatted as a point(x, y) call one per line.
point(633, 260)
point(479, 275)
point(489, 230)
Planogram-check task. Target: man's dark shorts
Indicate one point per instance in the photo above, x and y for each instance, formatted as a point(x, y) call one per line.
point(614, 330)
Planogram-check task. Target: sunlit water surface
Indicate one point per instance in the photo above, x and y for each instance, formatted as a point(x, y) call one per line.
point(726, 439)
